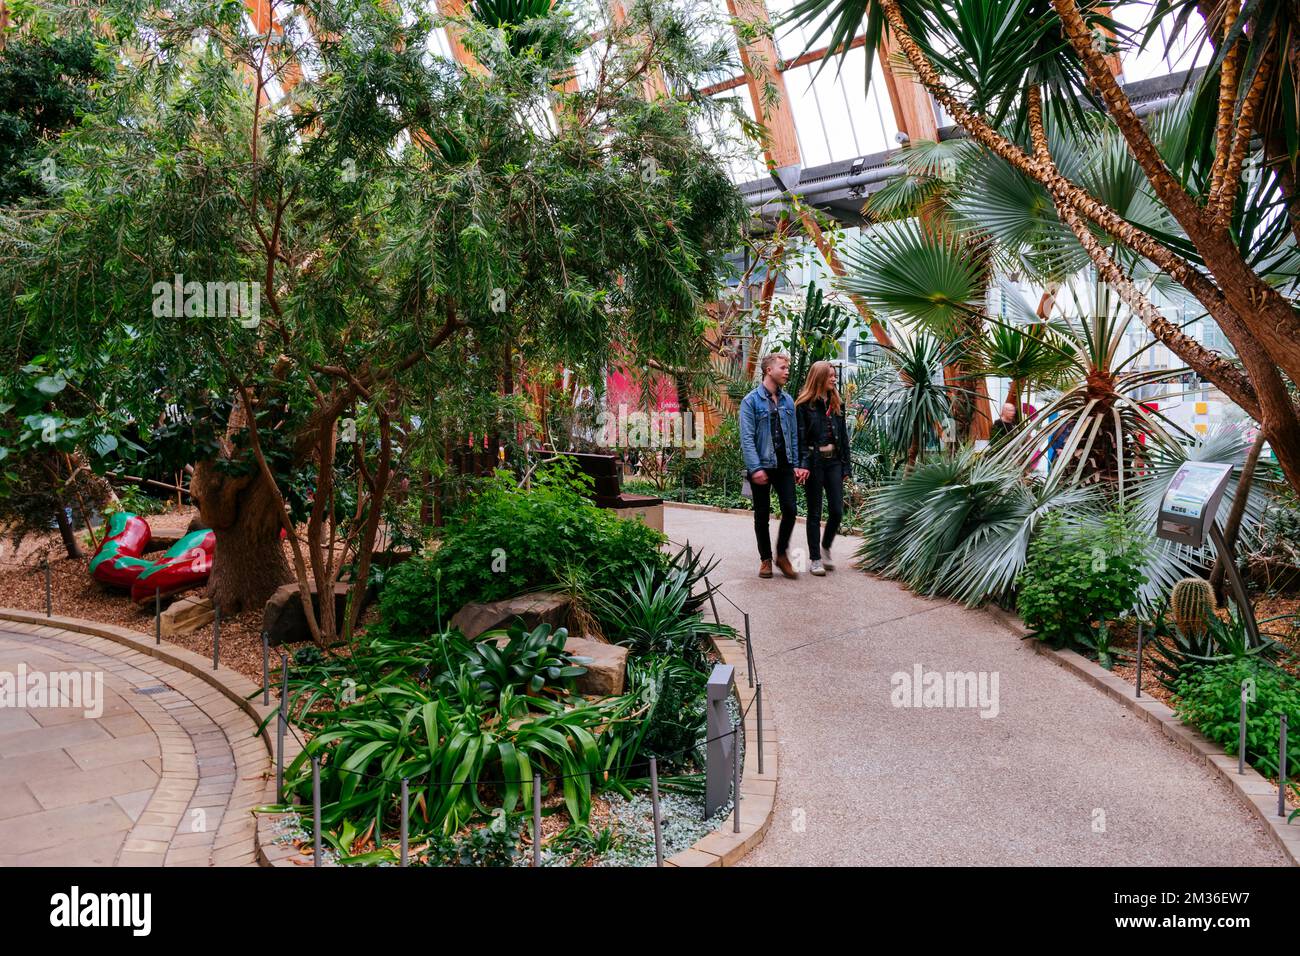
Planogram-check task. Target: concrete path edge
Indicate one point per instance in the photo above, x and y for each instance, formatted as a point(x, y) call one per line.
point(1251, 788)
point(238, 689)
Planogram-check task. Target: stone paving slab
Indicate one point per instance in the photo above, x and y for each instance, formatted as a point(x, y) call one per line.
point(149, 781)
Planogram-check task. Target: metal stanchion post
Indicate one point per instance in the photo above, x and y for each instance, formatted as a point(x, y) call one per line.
point(406, 810)
point(735, 775)
point(716, 619)
point(315, 810)
point(654, 809)
point(266, 669)
point(1139, 661)
point(1241, 731)
point(1281, 768)
point(281, 724)
point(49, 596)
point(157, 615)
point(758, 702)
point(537, 819)
point(749, 652)
point(216, 636)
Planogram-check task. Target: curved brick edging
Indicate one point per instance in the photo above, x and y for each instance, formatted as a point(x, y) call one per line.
point(219, 708)
point(1251, 788)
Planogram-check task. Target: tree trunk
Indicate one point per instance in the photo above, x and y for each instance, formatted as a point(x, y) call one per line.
point(65, 531)
point(244, 514)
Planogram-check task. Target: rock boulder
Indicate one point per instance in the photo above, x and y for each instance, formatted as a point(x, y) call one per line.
point(539, 607)
point(186, 615)
point(607, 670)
point(284, 621)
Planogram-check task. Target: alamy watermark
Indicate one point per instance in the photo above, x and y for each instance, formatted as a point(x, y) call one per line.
point(27, 689)
point(923, 688)
point(75, 908)
point(626, 428)
point(195, 299)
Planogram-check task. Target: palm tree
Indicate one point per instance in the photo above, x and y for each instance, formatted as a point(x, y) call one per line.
point(1019, 76)
point(1028, 355)
point(923, 195)
point(960, 525)
point(902, 391)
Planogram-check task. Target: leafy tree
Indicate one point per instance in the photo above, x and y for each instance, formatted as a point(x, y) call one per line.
point(45, 83)
point(408, 221)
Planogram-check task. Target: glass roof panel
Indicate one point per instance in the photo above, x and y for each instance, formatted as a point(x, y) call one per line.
point(1186, 51)
point(833, 118)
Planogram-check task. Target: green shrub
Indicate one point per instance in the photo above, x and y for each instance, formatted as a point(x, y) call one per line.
point(527, 662)
point(508, 540)
point(1279, 532)
point(1209, 699)
point(675, 715)
point(1077, 577)
point(493, 845)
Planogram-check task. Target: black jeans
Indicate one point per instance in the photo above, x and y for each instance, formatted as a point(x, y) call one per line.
point(782, 479)
point(826, 474)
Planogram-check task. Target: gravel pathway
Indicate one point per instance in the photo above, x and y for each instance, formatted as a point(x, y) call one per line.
point(1060, 775)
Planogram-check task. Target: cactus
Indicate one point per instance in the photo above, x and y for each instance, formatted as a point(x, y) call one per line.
point(1192, 601)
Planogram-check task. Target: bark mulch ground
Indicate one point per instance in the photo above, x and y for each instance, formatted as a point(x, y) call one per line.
point(76, 594)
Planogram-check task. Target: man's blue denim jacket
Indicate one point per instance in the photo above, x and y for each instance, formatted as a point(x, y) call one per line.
point(756, 430)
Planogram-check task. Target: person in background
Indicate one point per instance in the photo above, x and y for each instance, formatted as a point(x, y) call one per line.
point(769, 443)
point(1056, 444)
point(1004, 424)
point(824, 443)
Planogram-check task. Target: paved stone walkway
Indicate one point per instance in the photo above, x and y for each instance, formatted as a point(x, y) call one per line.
point(165, 776)
point(1061, 775)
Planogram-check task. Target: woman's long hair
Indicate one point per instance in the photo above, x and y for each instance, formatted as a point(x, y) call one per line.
point(816, 386)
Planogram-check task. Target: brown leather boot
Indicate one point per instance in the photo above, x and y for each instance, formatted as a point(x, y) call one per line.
point(765, 569)
point(783, 562)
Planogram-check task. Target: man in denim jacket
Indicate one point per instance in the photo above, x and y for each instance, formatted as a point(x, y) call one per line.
point(769, 443)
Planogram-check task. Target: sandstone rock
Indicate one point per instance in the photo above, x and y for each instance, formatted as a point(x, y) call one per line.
point(186, 615)
point(539, 607)
point(606, 671)
point(284, 621)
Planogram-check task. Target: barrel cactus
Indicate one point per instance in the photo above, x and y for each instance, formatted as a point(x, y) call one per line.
point(1192, 602)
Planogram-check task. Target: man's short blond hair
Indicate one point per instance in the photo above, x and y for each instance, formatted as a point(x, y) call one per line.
point(771, 357)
